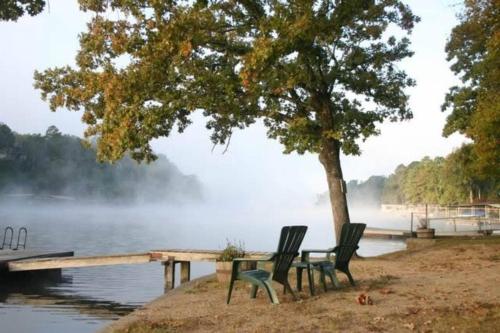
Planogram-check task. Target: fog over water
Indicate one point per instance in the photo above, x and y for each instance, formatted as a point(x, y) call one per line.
point(88, 298)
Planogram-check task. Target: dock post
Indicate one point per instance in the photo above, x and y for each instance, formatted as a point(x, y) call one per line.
point(411, 225)
point(185, 271)
point(169, 273)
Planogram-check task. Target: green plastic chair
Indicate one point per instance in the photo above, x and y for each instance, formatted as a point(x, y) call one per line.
point(349, 238)
point(288, 249)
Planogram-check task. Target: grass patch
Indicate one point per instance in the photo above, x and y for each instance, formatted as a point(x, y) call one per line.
point(482, 317)
point(479, 317)
point(203, 287)
point(460, 241)
point(341, 322)
point(443, 242)
point(148, 327)
point(495, 257)
point(381, 281)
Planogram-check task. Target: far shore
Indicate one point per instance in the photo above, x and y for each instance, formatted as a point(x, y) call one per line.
point(443, 285)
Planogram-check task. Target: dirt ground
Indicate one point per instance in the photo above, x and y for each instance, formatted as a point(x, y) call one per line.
point(452, 286)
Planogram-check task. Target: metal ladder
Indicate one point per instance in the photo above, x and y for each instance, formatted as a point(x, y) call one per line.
point(7, 229)
point(7, 241)
point(24, 231)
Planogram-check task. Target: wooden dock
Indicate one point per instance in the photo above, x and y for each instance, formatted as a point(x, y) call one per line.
point(7, 257)
point(196, 255)
point(25, 261)
point(386, 233)
point(170, 258)
point(32, 264)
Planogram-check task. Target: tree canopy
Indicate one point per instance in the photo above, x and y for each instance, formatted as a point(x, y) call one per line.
point(11, 10)
point(320, 74)
point(474, 49)
point(303, 66)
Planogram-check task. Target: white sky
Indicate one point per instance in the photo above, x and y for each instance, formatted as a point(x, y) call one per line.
point(254, 167)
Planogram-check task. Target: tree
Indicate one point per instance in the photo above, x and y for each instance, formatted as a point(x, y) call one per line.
point(367, 193)
point(7, 138)
point(474, 48)
point(52, 132)
point(461, 183)
point(11, 10)
point(393, 187)
point(321, 74)
point(485, 132)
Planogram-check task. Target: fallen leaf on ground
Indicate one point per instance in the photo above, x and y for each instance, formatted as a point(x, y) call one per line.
point(410, 326)
point(386, 291)
point(364, 299)
point(413, 310)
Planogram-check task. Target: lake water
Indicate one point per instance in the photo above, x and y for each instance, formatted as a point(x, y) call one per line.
point(86, 299)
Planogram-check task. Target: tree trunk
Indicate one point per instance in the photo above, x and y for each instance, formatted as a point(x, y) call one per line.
point(329, 156)
point(471, 195)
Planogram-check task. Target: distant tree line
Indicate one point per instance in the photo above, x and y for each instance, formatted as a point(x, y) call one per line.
point(442, 180)
point(58, 164)
point(450, 180)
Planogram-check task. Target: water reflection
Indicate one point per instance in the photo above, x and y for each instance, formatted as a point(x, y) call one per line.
point(45, 292)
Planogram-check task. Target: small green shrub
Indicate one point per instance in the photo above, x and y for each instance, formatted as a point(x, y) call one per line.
point(231, 251)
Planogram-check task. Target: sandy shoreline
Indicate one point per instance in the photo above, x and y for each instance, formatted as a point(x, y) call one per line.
point(450, 286)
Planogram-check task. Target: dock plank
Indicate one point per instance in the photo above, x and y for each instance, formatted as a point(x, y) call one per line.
point(196, 255)
point(7, 256)
point(74, 262)
point(386, 233)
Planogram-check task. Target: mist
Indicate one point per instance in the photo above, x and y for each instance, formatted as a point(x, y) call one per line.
point(57, 167)
point(54, 174)
point(361, 195)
